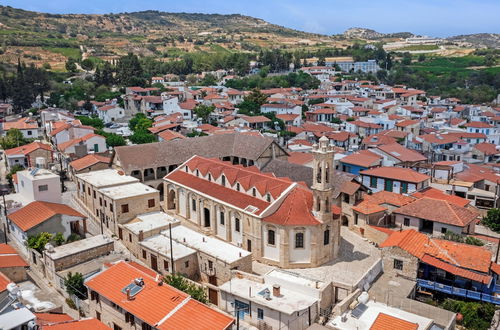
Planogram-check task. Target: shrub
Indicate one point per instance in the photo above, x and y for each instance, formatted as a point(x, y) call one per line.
point(179, 282)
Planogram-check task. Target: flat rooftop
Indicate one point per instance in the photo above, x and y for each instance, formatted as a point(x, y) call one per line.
point(207, 244)
point(94, 266)
point(79, 246)
point(288, 302)
point(366, 319)
point(293, 278)
point(106, 178)
point(150, 221)
point(161, 244)
point(37, 174)
point(127, 190)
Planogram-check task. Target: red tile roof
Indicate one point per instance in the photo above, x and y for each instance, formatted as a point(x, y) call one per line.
point(387, 322)
point(28, 148)
point(4, 280)
point(439, 210)
point(300, 158)
point(37, 212)
point(65, 145)
point(487, 148)
point(401, 153)
point(465, 256)
point(397, 173)
point(256, 119)
point(387, 197)
point(362, 159)
point(89, 160)
point(51, 318)
point(296, 209)
point(478, 124)
point(366, 207)
point(10, 258)
point(22, 123)
point(162, 307)
point(83, 324)
point(438, 194)
point(169, 135)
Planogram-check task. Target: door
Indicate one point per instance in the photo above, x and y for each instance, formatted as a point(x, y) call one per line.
point(96, 147)
point(249, 245)
point(388, 185)
point(120, 234)
point(213, 296)
point(154, 263)
point(206, 213)
point(240, 309)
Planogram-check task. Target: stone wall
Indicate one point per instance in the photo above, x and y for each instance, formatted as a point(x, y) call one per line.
point(410, 263)
point(15, 274)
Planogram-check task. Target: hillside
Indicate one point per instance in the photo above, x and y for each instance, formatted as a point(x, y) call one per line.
point(490, 40)
point(369, 34)
point(52, 38)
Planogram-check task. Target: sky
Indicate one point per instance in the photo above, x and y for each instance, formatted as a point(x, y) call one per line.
point(437, 18)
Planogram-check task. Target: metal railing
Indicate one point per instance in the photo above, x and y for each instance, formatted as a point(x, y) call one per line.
point(476, 295)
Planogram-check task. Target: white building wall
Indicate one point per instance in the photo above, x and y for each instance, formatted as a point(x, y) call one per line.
point(182, 202)
point(300, 255)
point(221, 228)
point(237, 238)
point(271, 252)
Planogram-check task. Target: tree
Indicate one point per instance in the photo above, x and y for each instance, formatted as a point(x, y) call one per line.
point(75, 286)
point(115, 140)
point(129, 71)
point(490, 60)
point(492, 219)
point(59, 239)
point(134, 120)
point(39, 241)
point(421, 57)
point(12, 139)
point(321, 61)
point(181, 283)
point(91, 121)
point(87, 64)
point(203, 111)
point(13, 170)
point(141, 137)
point(208, 80)
point(71, 65)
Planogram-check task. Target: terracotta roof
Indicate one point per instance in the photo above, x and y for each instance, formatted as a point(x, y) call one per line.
point(458, 254)
point(169, 135)
point(300, 158)
point(387, 322)
point(37, 212)
point(439, 210)
point(340, 136)
point(10, 258)
point(316, 128)
point(256, 119)
point(378, 139)
point(28, 148)
point(159, 127)
point(396, 173)
point(4, 280)
point(478, 124)
point(487, 148)
point(89, 160)
point(440, 138)
point(366, 207)
point(438, 194)
point(456, 270)
point(65, 145)
point(162, 307)
point(388, 197)
point(362, 159)
point(83, 324)
point(401, 153)
point(287, 117)
point(51, 318)
point(22, 123)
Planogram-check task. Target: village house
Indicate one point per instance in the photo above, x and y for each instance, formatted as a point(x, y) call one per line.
point(38, 217)
point(257, 211)
point(394, 179)
point(37, 185)
point(89, 163)
point(360, 161)
point(128, 296)
point(12, 264)
point(110, 113)
point(35, 154)
point(281, 108)
point(436, 217)
point(83, 145)
point(26, 125)
point(62, 131)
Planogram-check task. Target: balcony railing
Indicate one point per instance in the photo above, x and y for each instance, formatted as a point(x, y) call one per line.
point(458, 291)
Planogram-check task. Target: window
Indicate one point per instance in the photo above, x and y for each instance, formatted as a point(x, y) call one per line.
point(388, 185)
point(98, 315)
point(88, 191)
point(197, 173)
point(146, 326)
point(254, 192)
point(404, 187)
point(30, 133)
point(209, 177)
point(100, 201)
point(443, 230)
point(260, 313)
point(346, 198)
point(223, 179)
point(406, 222)
point(237, 225)
point(144, 256)
point(105, 203)
point(151, 203)
point(238, 186)
point(165, 265)
point(299, 240)
point(43, 187)
point(268, 198)
point(222, 220)
point(187, 169)
point(398, 264)
point(94, 296)
point(373, 182)
point(130, 237)
point(125, 208)
point(193, 204)
point(271, 237)
point(210, 264)
point(186, 264)
point(94, 194)
point(326, 237)
point(111, 207)
point(129, 318)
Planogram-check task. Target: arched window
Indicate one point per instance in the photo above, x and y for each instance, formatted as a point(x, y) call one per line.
point(318, 175)
point(326, 236)
point(299, 240)
point(271, 239)
point(327, 205)
point(318, 205)
point(327, 173)
point(223, 179)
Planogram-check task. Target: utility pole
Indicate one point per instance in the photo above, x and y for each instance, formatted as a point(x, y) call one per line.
point(171, 248)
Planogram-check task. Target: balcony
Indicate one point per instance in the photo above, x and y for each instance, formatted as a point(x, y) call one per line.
point(475, 295)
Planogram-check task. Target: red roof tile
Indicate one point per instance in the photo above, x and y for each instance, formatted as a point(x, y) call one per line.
point(387, 322)
point(89, 160)
point(300, 158)
point(4, 280)
point(37, 212)
point(10, 258)
point(401, 153)
point(362, 159)
point(162, 307)
point(28, 148)
point(51, 318)
point(478, 124)
point(438, 194)
point(397, 173)
point(83, 324)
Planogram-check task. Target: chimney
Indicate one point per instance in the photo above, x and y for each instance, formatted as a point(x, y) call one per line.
point(276, 290)
point(240, 254)
point(128, 295)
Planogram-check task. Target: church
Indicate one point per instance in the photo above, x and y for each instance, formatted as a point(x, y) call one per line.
point(283, 223)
